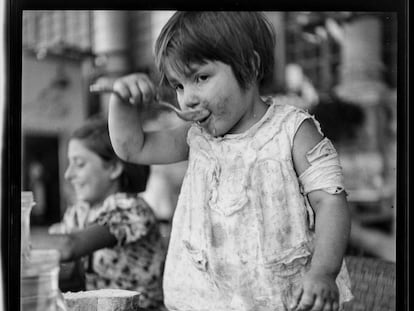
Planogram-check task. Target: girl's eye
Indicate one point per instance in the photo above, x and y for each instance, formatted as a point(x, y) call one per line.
point(202, 78)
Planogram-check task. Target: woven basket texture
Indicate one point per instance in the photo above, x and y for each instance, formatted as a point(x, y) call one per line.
point(373, 284)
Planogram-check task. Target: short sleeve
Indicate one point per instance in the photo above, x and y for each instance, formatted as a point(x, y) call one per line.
point(293, 119)
point(129, 217)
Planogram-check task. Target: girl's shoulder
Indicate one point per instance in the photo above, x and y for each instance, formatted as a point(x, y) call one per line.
point(284, 111)
point(288, 106)
point(288, 114)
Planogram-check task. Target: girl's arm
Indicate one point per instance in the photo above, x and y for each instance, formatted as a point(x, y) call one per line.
point(75, 245)
point(332, 227)
point(128, 139)
point(332, 221)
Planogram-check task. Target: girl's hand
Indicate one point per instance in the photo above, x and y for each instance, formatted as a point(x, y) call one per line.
point(136, 88)
point(318, 292)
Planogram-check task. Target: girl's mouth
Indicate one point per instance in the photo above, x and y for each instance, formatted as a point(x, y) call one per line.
point(204, 120)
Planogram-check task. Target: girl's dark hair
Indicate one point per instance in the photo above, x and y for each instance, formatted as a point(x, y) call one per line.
point(229, 37)
point(94, 134)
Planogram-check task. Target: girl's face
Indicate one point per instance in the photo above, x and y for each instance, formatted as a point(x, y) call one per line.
point(92, 179)
point(214, 87)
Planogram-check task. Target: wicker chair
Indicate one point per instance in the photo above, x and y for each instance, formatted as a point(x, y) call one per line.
point(373, 284)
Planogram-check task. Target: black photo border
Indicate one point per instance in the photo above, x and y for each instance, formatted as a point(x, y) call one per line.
point(11, 153)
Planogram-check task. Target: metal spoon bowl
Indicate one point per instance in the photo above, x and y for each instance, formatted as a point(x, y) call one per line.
point(188, 115)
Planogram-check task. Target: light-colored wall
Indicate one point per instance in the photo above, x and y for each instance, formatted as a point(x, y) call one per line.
point(46, 107)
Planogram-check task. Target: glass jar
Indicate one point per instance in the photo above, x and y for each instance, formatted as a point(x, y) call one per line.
point(39, 283)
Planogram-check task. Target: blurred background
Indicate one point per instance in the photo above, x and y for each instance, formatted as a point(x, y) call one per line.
point(343, 64)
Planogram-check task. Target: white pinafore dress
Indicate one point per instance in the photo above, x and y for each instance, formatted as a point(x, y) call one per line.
point(242, 232)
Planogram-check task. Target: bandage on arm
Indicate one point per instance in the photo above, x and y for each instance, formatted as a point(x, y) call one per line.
point(324, 172)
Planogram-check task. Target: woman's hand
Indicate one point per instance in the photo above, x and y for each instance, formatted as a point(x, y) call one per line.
point(136, 88)
point(318, 292)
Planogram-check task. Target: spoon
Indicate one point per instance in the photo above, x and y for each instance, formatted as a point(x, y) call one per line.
point(187, 115)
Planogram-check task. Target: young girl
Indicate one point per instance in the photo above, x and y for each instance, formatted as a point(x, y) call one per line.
point(262, 221)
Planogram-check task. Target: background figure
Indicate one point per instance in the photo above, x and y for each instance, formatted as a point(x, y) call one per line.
point(111, 229)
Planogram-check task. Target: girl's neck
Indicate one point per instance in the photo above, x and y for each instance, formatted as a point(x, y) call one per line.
point(112, 190)
point(257, 108)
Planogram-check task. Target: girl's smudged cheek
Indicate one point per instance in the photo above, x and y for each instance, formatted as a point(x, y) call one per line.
point(220, 112)
point(221, 109)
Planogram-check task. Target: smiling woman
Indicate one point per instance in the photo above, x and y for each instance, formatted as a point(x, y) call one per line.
point(111, 230)
point(92, 178)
